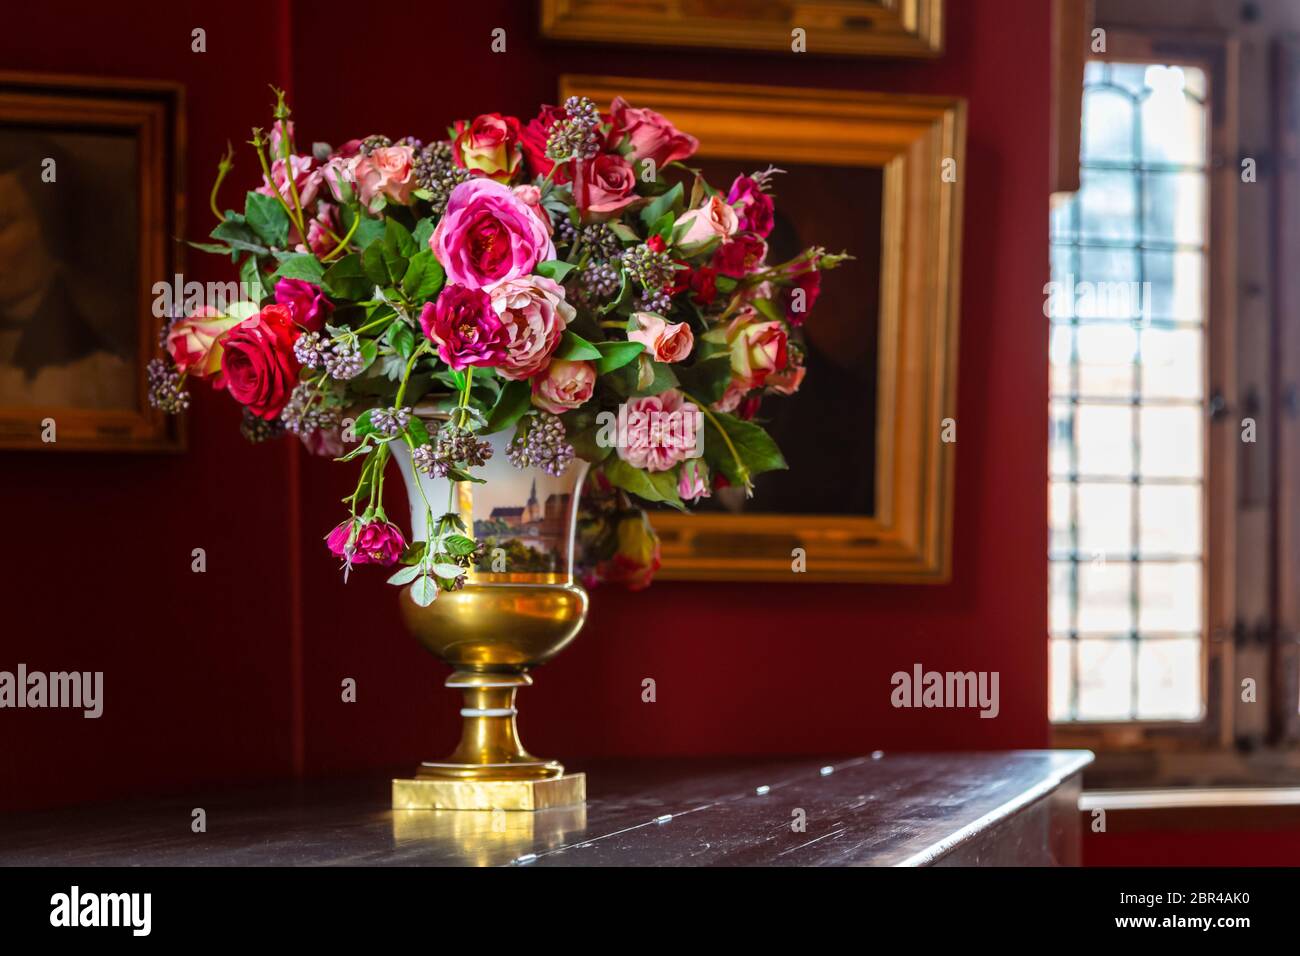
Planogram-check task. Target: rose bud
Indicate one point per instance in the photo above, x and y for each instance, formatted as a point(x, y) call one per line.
point(194, 342)
point(664, 342)
point(564, 386)
point(305, 302)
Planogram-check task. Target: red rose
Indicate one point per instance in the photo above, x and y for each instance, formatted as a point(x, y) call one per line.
point(741, 256)
point(702, 283)
point(800, 295)
point(533, 140)
point(257, 363)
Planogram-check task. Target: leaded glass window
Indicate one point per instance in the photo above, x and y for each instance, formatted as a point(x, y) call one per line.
point(1126, 446)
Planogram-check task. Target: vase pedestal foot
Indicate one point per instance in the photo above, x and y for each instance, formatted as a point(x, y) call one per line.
point(431, 793)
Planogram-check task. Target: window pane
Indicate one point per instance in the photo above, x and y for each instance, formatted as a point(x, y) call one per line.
point(1108, 206)
point(1059, 500)
point(1171, 442)
point(1175, 286)
point(1173, 208)
point(1062, 355)
point(1171, 363)
point(1060, 437)
point(1170, 520)
point(1062, 678)
point(1108, 127)
point(1106, 354)
point(1061, 599)
point(1105, 520)
point(1173, 123)
point(1105, 440)
point(1169, 680)
point(1105, 679)
point(1105, 597)
point(1170, 597)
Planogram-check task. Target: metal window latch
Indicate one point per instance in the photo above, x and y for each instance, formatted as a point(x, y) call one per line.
point(1217, 406)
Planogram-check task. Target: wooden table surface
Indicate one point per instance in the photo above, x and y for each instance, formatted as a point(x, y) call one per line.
point(879, 810)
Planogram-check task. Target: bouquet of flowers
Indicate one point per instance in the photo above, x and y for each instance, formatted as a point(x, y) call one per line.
point(568, 277)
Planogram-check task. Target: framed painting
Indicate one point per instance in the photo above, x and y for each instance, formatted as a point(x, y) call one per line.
point(90, 187)
point(878, 175)
point(861, 27)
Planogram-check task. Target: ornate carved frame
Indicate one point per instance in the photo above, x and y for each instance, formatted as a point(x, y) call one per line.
point(910, 138)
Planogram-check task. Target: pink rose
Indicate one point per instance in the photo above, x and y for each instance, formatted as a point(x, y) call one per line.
point(652, 137)
point(693, 483)
point(662, 430)
point(306, 180)
point(564, 386)
point(258, 364)
point(712, 220)
point(386, 172)
point(609, 185)
point(740, 257)
point(488, 236)
point(752, 205)
point(371, 542)
point(306, 303)
point(489, 146)
point(788, 380)
point(533, 310)
point(731, 398)
point(664, 342)
point(194, 342)
point(465, 328)
point(757, 350)
point(531, 197)
point(319, 240)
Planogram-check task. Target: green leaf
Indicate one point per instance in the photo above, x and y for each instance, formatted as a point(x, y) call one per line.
point(458, 545)
point(423, 231)
point(401, 338)
point(362, 427)
point(398, 240)
point(449, 571)
point(347, 279)
point(555, 269)
point(301, 266)
point(707, 379)
point(424, 277)
point(664, 379)
point(369, 230)
point(418, 432)
point(649, 486)
point(514, 400)
point(755, 446)
point(369, 352)
point(378, 266)
point(424, 591)
point(251, 276)
point(768, 309)
point(267, 218)
point(406, 575)
point(660, 205)
point(212, 247)
point(615, 354)
point(237, 234)
point(574, 348)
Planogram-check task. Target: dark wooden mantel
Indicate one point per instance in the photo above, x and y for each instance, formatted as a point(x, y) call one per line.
point(991, 809)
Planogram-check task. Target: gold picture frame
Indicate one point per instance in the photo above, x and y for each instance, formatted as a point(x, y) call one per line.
point(85, 118)
point(918, 142)
point(860, 27)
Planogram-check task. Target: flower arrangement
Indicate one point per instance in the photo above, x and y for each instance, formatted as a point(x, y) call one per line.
point(569, 277)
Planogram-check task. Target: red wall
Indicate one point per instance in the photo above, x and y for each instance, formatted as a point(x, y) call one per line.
point(97, 569)
point(202, 671)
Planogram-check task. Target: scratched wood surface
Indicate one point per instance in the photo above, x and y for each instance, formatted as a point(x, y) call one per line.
point(881, 810)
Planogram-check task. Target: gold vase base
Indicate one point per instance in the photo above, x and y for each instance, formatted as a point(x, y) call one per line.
point(567, 790)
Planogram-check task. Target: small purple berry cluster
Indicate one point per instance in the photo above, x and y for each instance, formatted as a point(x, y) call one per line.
point(165, 390)
point(543, 445)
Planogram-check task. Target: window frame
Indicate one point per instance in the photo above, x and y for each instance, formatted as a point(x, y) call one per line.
point(1217, 56)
